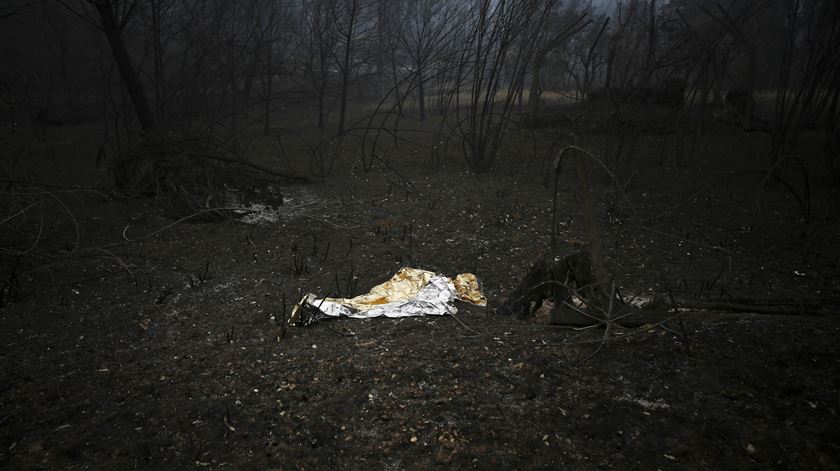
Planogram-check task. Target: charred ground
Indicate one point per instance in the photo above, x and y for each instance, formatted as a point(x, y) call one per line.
point(153, 343)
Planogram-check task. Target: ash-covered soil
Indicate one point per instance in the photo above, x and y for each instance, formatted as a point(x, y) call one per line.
point(159, 347)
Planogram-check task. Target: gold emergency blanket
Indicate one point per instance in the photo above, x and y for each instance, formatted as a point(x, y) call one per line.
point(410, 292)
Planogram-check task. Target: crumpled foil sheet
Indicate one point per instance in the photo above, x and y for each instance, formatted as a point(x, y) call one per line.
point(410, 292)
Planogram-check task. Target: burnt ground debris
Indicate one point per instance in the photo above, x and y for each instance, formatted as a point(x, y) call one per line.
point(169, 352)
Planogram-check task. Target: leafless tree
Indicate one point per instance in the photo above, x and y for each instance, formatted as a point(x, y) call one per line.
point(586, 56)
point(734, 21)
point(569, 24)
point(491, 45)
point(111, 18)
point(351, 26)
point(322, 40)
point(425, 25)
point(808, 80)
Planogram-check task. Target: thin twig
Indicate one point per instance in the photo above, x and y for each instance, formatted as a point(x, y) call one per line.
point(614, 337)
point(20, 212)
point(477, 334)
point(329, 223)
point(175, 223)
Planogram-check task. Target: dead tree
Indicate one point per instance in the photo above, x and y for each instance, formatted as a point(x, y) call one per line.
point(347, 24)
point(425, 26)
point(112, 25)
point(733, 21)
point(490, 47)
point(572, 27)
point(807, 83)
point(322, 41)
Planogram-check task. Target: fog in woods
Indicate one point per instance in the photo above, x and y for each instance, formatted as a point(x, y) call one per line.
point(609, 231)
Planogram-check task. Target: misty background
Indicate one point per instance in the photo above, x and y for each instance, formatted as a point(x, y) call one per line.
point(647, 192)
point(481, 67)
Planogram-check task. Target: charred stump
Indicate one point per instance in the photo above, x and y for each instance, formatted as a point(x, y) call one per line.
point(565, 280)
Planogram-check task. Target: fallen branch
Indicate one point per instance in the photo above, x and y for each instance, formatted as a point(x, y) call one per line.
point(781, 309)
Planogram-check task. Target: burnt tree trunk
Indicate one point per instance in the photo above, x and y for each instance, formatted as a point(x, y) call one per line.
point(113, 31)
point(345, 67)
point(421, 94)
point(534, 90)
